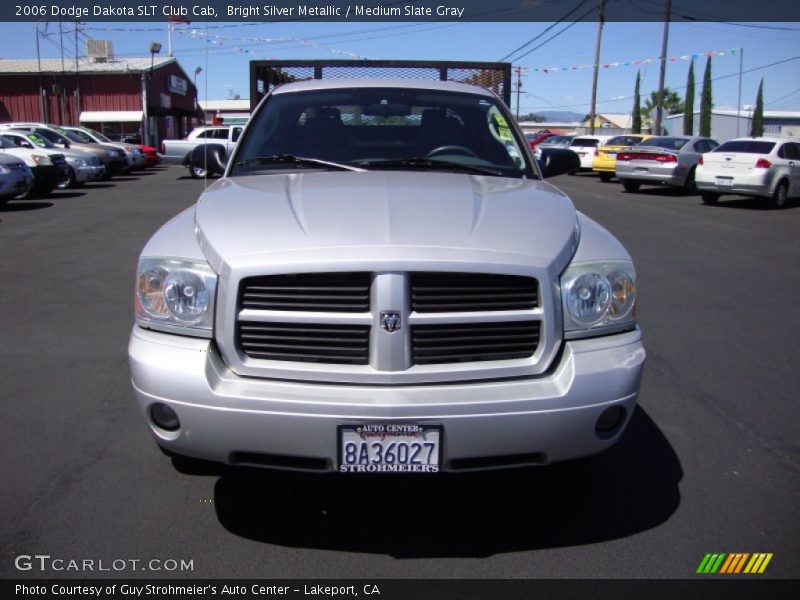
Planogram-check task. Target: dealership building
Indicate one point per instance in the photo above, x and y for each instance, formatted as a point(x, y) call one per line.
point(150, 95)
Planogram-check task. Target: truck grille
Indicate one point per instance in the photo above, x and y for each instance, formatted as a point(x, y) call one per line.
point(456, 292)
point(467, 342)
point(343, 319)
point(311, 292)
point(336, 344)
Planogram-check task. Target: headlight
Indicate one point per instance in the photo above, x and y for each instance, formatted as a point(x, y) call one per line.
point(598, 298)
point(4, 170)
point(110, 153)
point(176, 296)
point(41, 159)
point(79, 162)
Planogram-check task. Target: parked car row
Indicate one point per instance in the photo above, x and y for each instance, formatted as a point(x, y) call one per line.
point(763, 167)
point(61, 157)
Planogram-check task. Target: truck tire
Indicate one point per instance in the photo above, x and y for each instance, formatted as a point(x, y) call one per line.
point(605, 177)
point(197, 172)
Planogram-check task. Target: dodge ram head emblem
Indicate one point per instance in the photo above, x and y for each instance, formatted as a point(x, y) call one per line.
point(390, 321)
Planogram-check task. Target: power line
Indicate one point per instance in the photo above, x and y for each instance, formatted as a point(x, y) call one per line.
point(783, 97)
point(555, 35)
point(682, 87)
point(536, 37)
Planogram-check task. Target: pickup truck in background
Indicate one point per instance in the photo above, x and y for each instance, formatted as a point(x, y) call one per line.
point(180, 151)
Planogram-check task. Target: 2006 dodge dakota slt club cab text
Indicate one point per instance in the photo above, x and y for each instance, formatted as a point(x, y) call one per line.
point(382, 282)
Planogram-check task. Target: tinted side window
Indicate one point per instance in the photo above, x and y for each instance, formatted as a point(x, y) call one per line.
point(203, 134)
point(237, 131)
point(220, 134)
point(789, 151)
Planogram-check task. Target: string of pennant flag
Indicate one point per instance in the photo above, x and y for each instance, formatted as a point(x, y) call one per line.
point(224, 40)
point(628, 63)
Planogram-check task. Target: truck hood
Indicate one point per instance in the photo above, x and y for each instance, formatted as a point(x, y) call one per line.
point(375, 214)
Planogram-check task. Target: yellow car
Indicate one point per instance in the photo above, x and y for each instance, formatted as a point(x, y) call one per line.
point(605, 161)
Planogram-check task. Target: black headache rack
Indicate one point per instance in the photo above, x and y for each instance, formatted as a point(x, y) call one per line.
point(266, 74)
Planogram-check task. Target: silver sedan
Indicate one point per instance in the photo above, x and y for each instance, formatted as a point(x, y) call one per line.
point(663, 160)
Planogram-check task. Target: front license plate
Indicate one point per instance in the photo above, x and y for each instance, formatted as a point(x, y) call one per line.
point(723, 180)
point(390, 448)
point(641, 170)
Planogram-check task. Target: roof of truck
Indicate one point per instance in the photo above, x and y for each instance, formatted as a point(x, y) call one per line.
point(381, 82)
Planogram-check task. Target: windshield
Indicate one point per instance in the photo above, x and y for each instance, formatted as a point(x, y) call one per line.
point(624, 140)
point(75, 136)
point(584, 143)
point(40, 141)
point(746, 146)
point(670, 143)
point(97, 135)
point(382, 128)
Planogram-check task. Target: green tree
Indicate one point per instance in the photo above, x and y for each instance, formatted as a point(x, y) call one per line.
point(757, 127)
point(636, 117)
point(688, 105)
point(673, 104)
point(706, 103)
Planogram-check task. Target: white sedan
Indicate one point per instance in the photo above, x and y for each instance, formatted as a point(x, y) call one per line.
point(758, 166)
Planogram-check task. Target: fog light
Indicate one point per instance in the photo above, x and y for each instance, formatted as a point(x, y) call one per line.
point(164, 417)
point(609, 421)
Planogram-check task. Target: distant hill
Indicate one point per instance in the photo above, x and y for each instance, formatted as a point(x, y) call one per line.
point(561, 116)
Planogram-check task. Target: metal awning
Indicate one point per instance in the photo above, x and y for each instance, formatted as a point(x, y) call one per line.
point(111, 116)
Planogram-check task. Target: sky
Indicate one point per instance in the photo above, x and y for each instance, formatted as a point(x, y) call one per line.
point(224, 60)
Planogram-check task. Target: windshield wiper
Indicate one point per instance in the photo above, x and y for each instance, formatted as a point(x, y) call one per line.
point(428, 163)
point(299, 161)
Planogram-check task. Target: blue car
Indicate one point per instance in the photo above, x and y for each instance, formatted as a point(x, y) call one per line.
point(16, 178)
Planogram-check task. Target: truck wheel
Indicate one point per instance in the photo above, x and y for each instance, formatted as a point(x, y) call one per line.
point(197, 172)
point(709, 197)
point(605, 177)
point(778, 199)
point(631, 186)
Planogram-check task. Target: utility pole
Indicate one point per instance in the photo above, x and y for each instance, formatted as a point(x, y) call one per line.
point(662, 73)
point(77, 80)
point(600, 21)
point(42, 98)
point(63, 104)
point(519, 88)
point(739, 99)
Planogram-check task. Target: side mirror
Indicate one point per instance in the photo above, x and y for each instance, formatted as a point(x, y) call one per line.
point(557, 161)
point(210, 157)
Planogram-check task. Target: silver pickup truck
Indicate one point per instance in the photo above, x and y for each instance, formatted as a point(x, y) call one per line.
point(383, 282)
point(179, 152)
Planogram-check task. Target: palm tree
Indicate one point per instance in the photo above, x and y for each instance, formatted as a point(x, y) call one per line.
point(673, 104)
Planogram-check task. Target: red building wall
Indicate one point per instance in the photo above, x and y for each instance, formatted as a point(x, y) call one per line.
point(19, 96)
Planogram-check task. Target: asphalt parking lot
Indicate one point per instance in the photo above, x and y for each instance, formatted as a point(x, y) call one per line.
point(710, 462)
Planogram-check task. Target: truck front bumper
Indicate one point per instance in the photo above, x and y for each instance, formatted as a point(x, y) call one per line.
point(286, 424)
